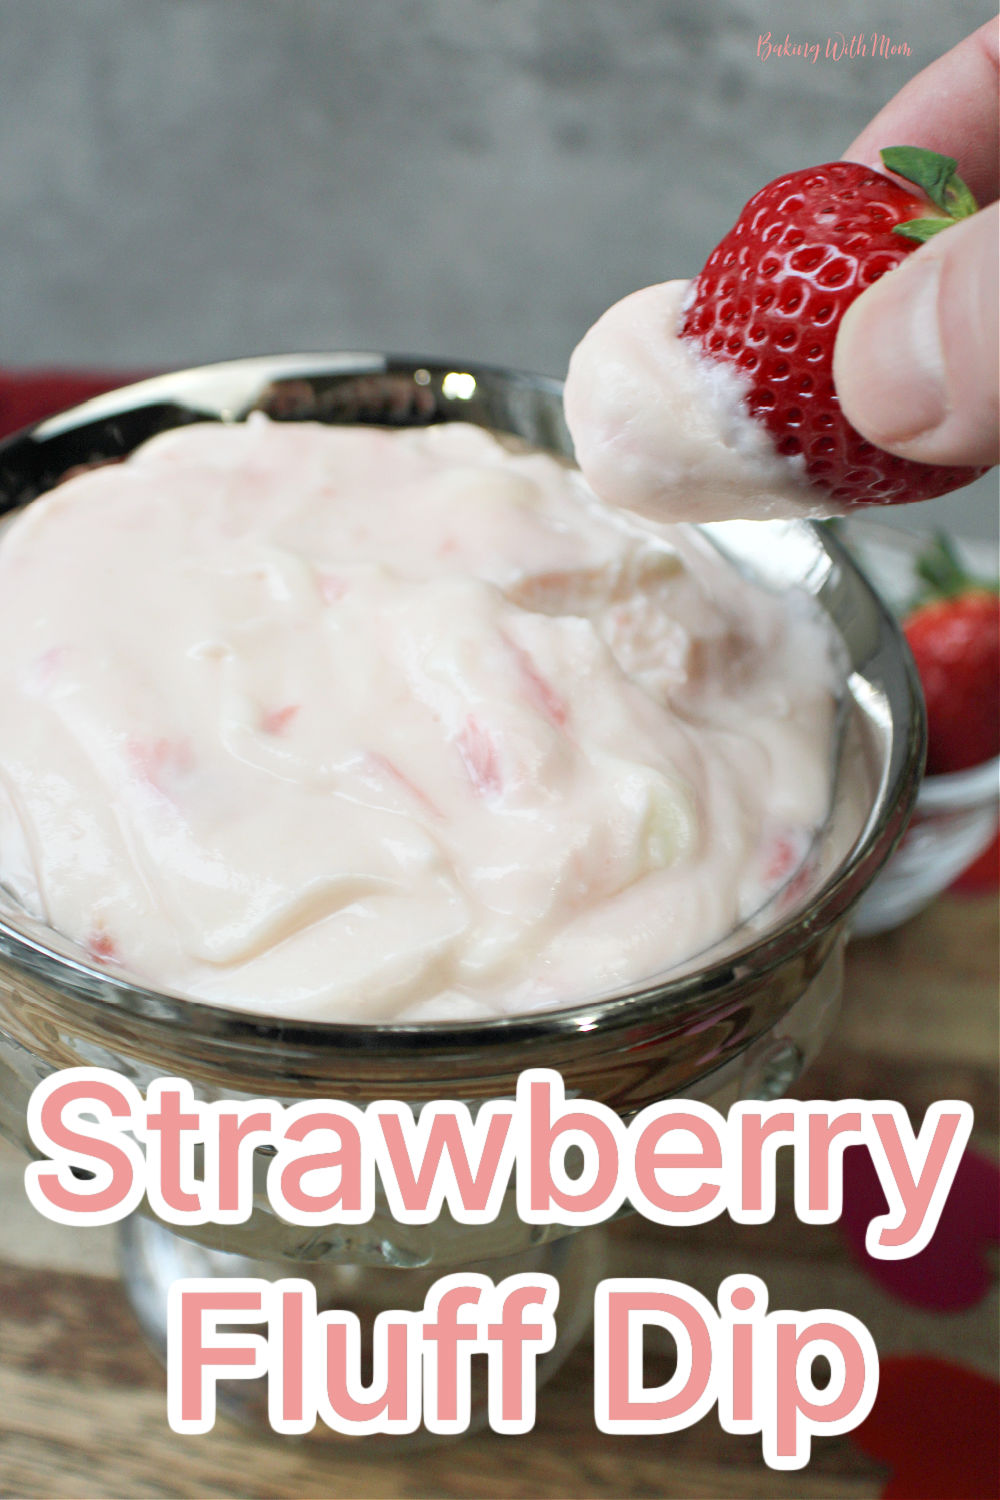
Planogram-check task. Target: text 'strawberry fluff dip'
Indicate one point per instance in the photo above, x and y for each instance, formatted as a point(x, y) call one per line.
point(365, 725)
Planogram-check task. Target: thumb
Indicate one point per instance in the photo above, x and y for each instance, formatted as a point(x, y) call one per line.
point(915, 363)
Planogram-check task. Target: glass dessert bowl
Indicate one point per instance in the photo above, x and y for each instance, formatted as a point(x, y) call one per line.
point(740, 1021)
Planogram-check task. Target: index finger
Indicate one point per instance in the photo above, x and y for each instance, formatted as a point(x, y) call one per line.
point(950, 107)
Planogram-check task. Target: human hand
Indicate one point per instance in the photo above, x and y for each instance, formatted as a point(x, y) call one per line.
point(915, 364)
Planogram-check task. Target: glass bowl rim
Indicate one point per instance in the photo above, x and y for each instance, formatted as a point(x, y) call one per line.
point(100, 991)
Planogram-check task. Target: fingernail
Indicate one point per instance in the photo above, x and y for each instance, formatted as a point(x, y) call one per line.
point(888, 365)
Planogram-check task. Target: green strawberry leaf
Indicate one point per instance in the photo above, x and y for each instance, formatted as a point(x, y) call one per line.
point(943, 571)
point(922, 229)
point(935, 175)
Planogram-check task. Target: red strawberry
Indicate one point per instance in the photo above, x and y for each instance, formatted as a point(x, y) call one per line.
point(955, 640)
point(773, 292)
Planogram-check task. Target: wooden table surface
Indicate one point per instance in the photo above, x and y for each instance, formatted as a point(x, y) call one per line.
point(82, 1399)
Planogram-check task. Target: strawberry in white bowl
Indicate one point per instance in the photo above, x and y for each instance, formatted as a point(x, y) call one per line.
point(944, 591)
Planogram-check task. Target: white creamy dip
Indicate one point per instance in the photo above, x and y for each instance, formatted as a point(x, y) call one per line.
point(355, 724)
point(663, 431)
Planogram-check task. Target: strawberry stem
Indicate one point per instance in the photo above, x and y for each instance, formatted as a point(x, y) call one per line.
point(943, 570)
point(958, 199)
point(936, 176)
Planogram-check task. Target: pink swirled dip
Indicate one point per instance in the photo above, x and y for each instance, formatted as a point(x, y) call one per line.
point(364, 725)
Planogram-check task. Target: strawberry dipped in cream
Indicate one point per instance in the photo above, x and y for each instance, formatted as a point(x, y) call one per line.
point(714, 399)
point(366, 725)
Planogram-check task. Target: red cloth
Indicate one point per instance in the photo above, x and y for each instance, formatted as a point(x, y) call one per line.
point(955, 1270)
point(30, 395)
point(937, 1428)
point(983, 874)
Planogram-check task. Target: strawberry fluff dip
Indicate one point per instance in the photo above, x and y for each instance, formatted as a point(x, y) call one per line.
point(663, 431)
point(365, 725)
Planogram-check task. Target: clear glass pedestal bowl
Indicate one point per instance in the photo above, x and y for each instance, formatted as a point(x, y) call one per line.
point(740, 1022)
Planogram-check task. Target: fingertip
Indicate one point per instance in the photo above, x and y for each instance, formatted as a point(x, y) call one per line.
point(915, 362)
point(888, 366)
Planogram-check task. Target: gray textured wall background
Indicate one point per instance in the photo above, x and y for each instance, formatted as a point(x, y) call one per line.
point(186, 180)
